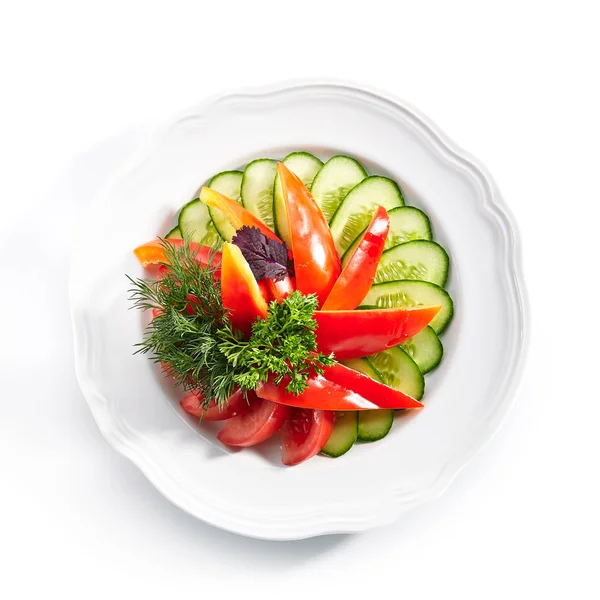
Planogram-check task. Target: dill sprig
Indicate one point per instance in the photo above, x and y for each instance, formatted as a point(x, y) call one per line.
point(193, 339)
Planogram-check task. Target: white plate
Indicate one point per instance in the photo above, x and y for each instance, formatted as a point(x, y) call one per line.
point(248, 492)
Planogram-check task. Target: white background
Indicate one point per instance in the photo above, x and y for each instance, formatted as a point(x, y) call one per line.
point(515, 83)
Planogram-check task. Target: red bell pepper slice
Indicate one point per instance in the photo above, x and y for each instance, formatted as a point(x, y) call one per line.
point(264, 291)
point(339, 388)
point(380, 394)
point(235, 213)
point(316, 261)
point(321, 394)
point(357, 333)
point(359, 273)
point(278, 290)
point(241, 294)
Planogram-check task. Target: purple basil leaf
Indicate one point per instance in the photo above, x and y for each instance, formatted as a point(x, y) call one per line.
point(267, 258)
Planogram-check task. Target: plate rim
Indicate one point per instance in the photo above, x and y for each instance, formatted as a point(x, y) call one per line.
point(513, 265)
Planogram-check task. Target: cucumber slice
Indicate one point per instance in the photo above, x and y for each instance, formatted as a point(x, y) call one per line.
point(374, 425)
point(229, 184)
point(343, 436)
point(306, 166)
point(331, 184)
point(196, 226)
point(175, 233)
point(399, 370)
point(257, 189)
point(407, 224)
point(356, 210)
point(411, 293)
point(425, 349)
point(420, 260)
point(345, 430)
point(362, 365)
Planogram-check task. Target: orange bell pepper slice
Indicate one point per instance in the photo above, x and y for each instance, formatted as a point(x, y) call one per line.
point(235, 213)
point(153, 253)
point(241, 294)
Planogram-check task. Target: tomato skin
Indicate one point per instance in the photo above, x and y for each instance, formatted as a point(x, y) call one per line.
point(304, 434)
point(359, 273)
point(255, 424)
point(191, 404)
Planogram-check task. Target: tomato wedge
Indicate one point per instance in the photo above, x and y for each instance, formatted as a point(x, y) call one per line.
point(256, 423)
point(153, 253)
point(316, 261)
point(304, 434)
point(242, 297)
point(191, 403)
point(357, 333)
point(359, 273)
point(235, 213)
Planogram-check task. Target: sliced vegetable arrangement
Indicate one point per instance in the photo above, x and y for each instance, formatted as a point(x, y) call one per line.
point(297, 297)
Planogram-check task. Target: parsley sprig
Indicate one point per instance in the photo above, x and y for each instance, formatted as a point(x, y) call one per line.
point(193, 339)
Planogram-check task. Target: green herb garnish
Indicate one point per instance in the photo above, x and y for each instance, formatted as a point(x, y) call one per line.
point(193, 337)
